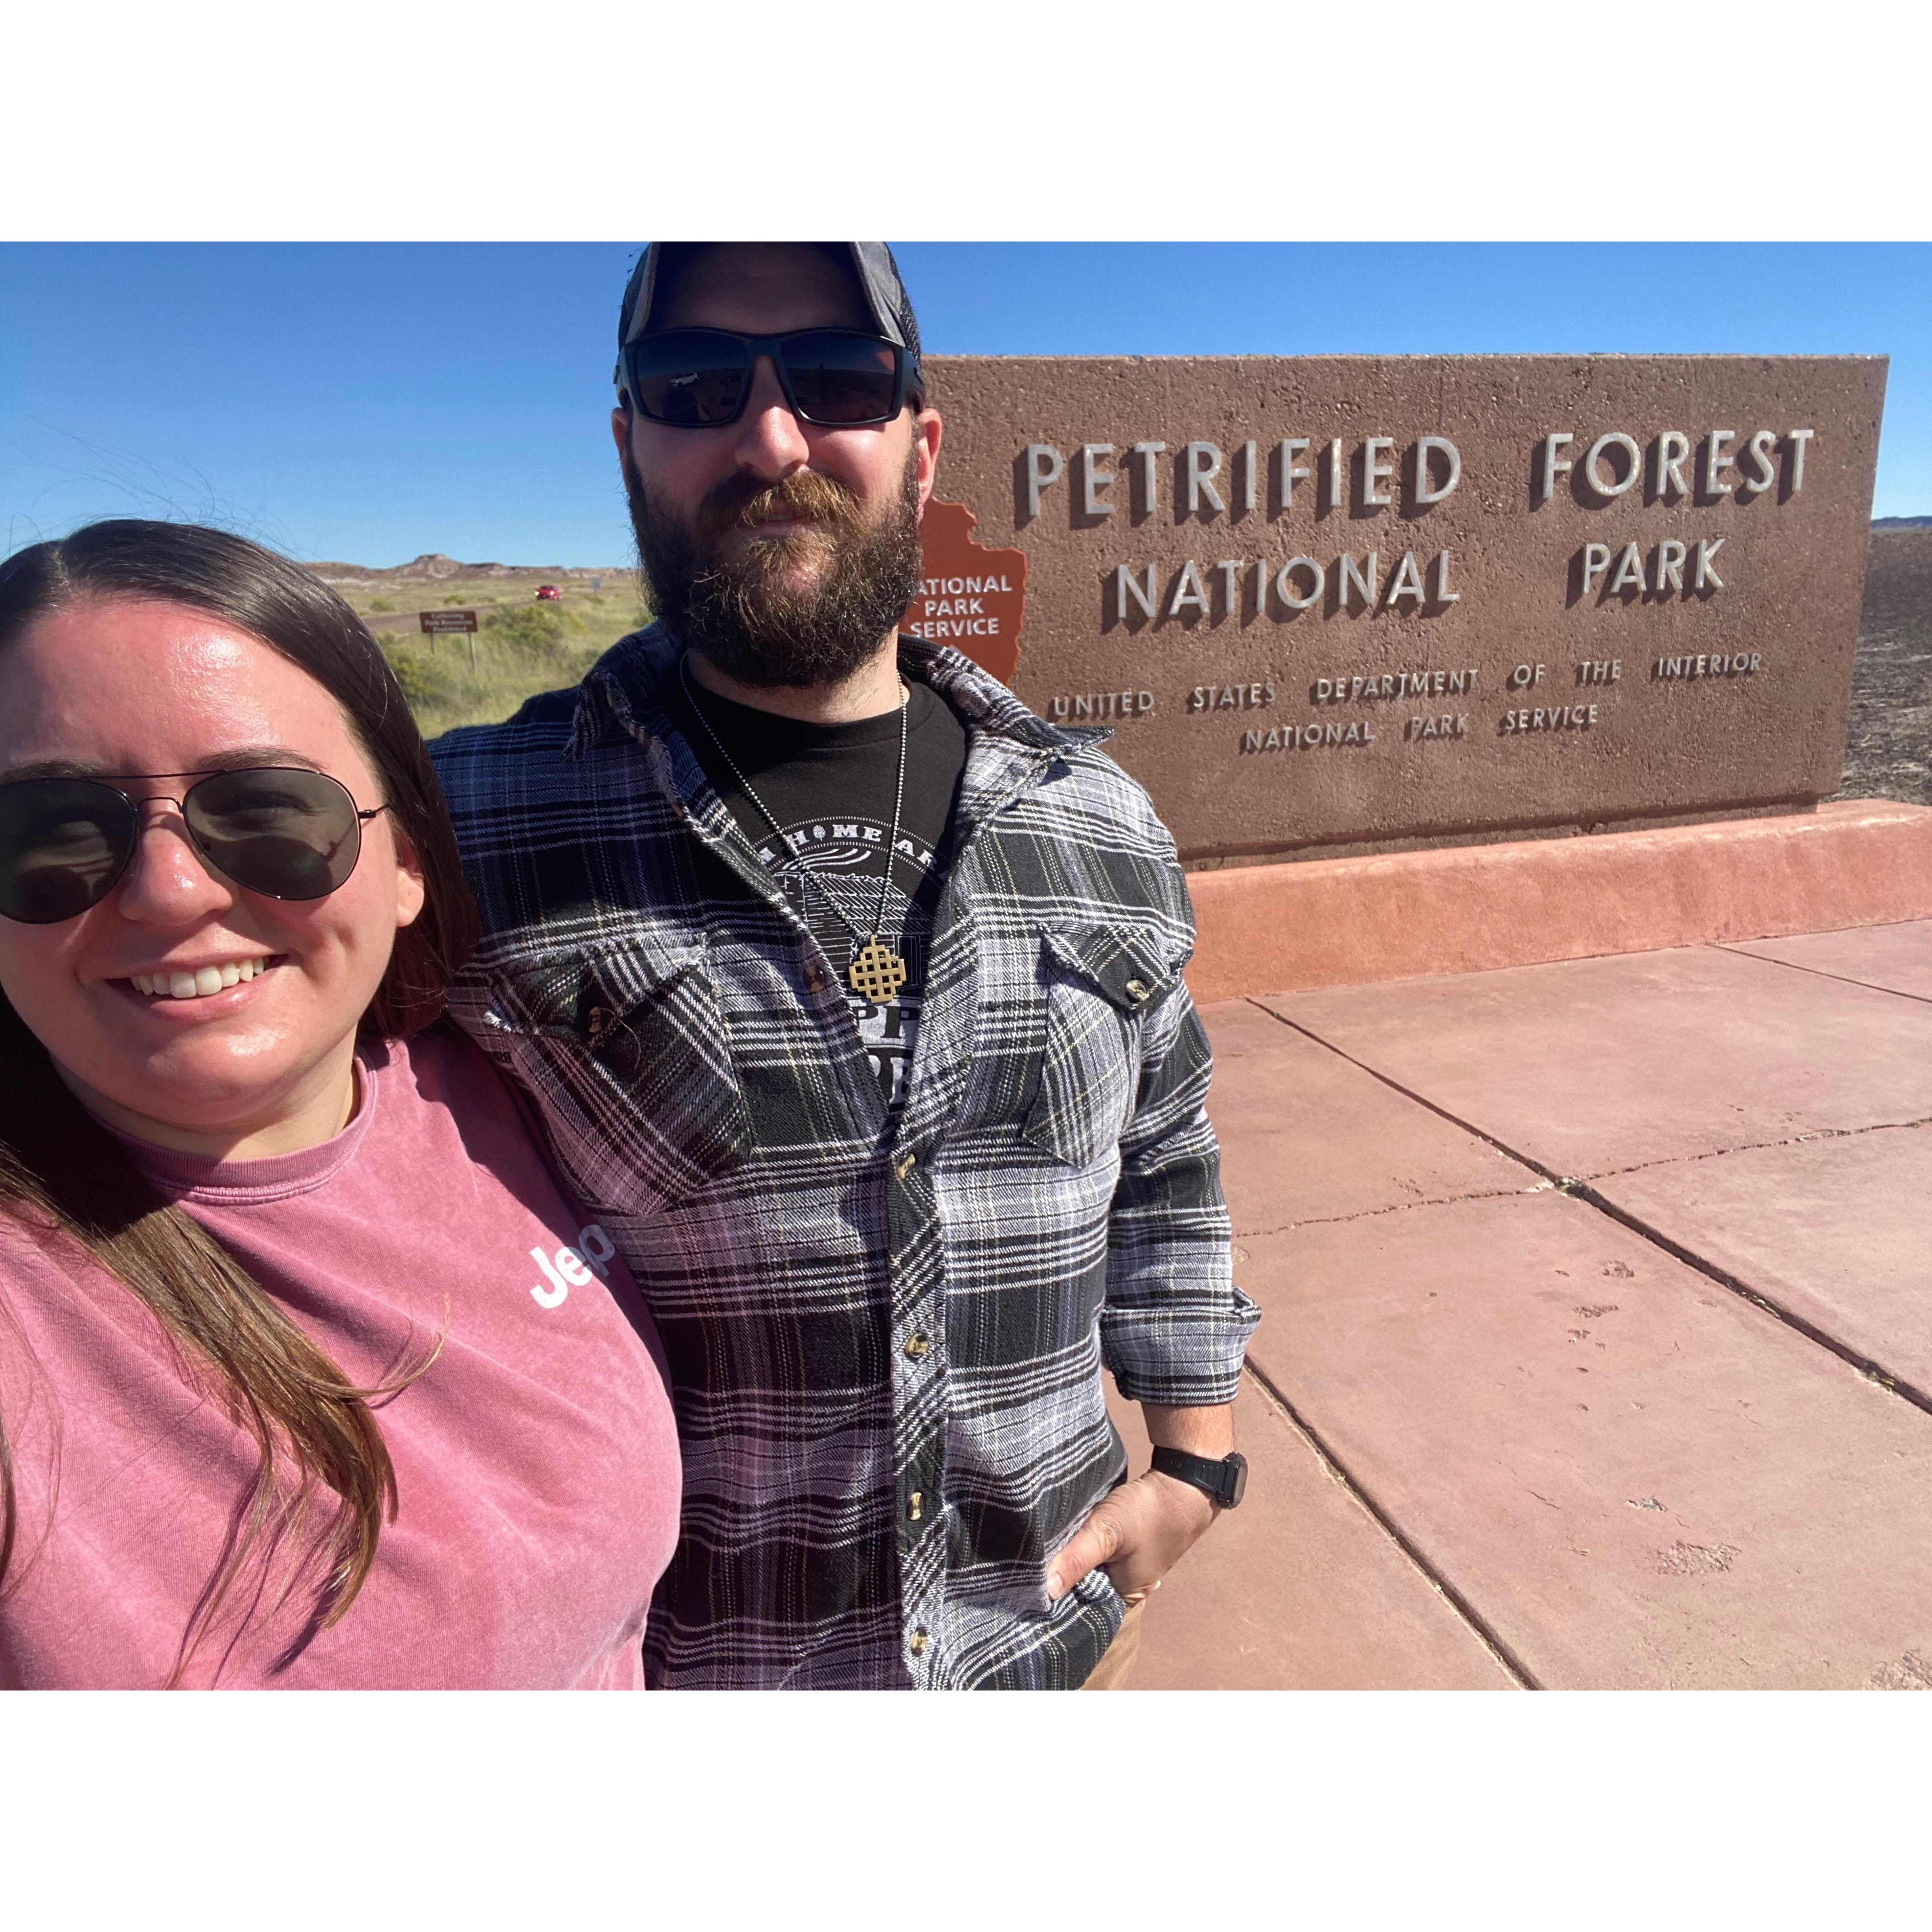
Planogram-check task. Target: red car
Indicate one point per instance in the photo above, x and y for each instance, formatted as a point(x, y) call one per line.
point(548, 593)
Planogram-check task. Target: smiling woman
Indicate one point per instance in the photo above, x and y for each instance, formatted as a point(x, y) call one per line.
point(247, 1200)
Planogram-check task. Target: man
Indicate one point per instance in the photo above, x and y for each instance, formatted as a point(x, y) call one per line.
point(850, 993)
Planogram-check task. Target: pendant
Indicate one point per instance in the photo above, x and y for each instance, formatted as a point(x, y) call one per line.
point(877, 972)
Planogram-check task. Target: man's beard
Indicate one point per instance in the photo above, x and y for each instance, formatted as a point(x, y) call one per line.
point(742, 612)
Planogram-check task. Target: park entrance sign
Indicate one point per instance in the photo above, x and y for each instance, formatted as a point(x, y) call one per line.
point(1351, 603)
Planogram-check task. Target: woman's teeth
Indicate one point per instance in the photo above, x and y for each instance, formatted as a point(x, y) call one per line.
point(198, 984)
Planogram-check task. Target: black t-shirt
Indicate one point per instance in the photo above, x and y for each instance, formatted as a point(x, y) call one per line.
point(830, 788)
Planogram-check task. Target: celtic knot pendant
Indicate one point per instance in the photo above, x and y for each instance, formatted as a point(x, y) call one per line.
point(878, 973)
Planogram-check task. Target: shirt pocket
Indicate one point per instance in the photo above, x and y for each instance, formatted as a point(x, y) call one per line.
point(1100, 980)
point(651, 1109)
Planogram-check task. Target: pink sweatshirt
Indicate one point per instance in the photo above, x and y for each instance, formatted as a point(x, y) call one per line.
point(536, 1462)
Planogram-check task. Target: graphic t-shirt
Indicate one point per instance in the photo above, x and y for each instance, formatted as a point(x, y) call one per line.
point(830, 788)
point(537, 1473)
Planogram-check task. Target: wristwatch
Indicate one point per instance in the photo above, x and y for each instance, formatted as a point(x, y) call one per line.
point(1226, 1481)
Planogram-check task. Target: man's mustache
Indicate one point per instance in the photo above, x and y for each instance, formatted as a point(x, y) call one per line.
point(740, 502)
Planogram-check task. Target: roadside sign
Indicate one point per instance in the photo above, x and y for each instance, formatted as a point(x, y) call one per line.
point(437, 622)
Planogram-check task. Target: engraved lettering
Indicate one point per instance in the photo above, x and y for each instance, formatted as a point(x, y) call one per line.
point(1425, 493)
point(1797, 438)
point(1554, 465)
point(1286, 451)
point(1407, 581)
point(1629, 570)
point(1632, 463)
point(1365, 586)
point(1374, 472)
point(1552, 718)
point(1147, 452)
point(1707, 663)
point(1307, 737)
point(1717, 457)
point(1203, 465)
point(1189, 590)
point(1284, 575)
point(1672, 447)
point(1093, 479)
point(1044, 466)
point(1126, 582)
point(1757, 453)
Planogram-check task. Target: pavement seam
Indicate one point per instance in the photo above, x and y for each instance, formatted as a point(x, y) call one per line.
point(1758, 1147)
point(1581, 1190)
point(1421, 1100)
point(1818, 973)
point(1392, 1207)
point(1871, 1371)
point(1499, 1652)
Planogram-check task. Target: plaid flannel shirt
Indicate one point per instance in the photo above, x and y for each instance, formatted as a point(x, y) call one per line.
point(886, 1336)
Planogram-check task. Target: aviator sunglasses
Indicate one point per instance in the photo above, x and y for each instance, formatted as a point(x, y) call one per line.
point(283, 831)
point(700, 378)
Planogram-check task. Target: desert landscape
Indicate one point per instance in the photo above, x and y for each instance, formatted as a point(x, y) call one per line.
point(1888, 747)
point(523, 645)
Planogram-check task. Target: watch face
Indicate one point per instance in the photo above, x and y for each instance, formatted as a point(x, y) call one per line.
point(1235, 1482)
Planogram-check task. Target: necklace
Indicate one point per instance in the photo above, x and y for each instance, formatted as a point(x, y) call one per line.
point(877, 972)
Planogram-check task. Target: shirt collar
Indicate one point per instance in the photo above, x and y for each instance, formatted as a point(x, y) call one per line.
point(623, 684)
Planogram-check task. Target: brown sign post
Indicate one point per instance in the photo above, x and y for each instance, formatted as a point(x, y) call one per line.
point(1349, 604)
point(443, 623)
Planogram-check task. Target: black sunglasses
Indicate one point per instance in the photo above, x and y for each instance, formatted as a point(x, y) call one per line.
point(837, 378)
point(283, 831)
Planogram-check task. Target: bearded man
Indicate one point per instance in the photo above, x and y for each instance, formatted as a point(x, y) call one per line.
point(849, 993)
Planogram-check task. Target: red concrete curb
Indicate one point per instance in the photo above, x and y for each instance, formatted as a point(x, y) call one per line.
point(1464, 909)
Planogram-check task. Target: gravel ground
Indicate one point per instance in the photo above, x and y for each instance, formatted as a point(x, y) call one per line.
point(1888, 747)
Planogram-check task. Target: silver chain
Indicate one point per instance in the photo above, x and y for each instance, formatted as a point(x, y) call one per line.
point(744, 785)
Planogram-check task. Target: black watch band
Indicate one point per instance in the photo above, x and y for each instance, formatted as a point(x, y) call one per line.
point(1226, 1481)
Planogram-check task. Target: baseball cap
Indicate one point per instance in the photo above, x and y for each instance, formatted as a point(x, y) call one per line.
point(873, 267)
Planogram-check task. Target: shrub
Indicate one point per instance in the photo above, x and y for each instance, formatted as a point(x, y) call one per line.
point(535, 631)
point(414, 673)
point(382, 604)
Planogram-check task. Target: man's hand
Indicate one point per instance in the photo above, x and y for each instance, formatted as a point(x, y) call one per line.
point(1145, 1527)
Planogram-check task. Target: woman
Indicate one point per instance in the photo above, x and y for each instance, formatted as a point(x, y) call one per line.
point(309, 1375)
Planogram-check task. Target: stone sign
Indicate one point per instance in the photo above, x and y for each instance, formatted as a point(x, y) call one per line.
point(1347, 603)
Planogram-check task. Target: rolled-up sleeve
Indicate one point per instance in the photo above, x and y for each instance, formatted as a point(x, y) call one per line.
point(1175, 1328)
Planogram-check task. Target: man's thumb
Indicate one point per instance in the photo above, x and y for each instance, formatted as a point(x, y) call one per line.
point(1093, 1544)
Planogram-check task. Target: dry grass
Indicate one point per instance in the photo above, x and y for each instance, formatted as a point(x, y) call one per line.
point(521, 647)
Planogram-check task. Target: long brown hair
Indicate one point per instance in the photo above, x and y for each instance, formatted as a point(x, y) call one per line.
point(64, 1177)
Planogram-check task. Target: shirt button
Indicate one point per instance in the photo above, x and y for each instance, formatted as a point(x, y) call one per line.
point(916, 1346)
point(814, 977)
point(903, 1165)
point(917, 1642)
point(916, 1505)
point(1137, 991)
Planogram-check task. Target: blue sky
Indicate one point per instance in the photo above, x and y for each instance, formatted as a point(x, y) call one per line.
point(369, 401)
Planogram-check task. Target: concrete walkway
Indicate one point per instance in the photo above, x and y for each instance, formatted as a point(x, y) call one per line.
point(1597, 1342)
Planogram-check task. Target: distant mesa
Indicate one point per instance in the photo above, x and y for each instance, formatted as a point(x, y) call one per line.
point(434, 567)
